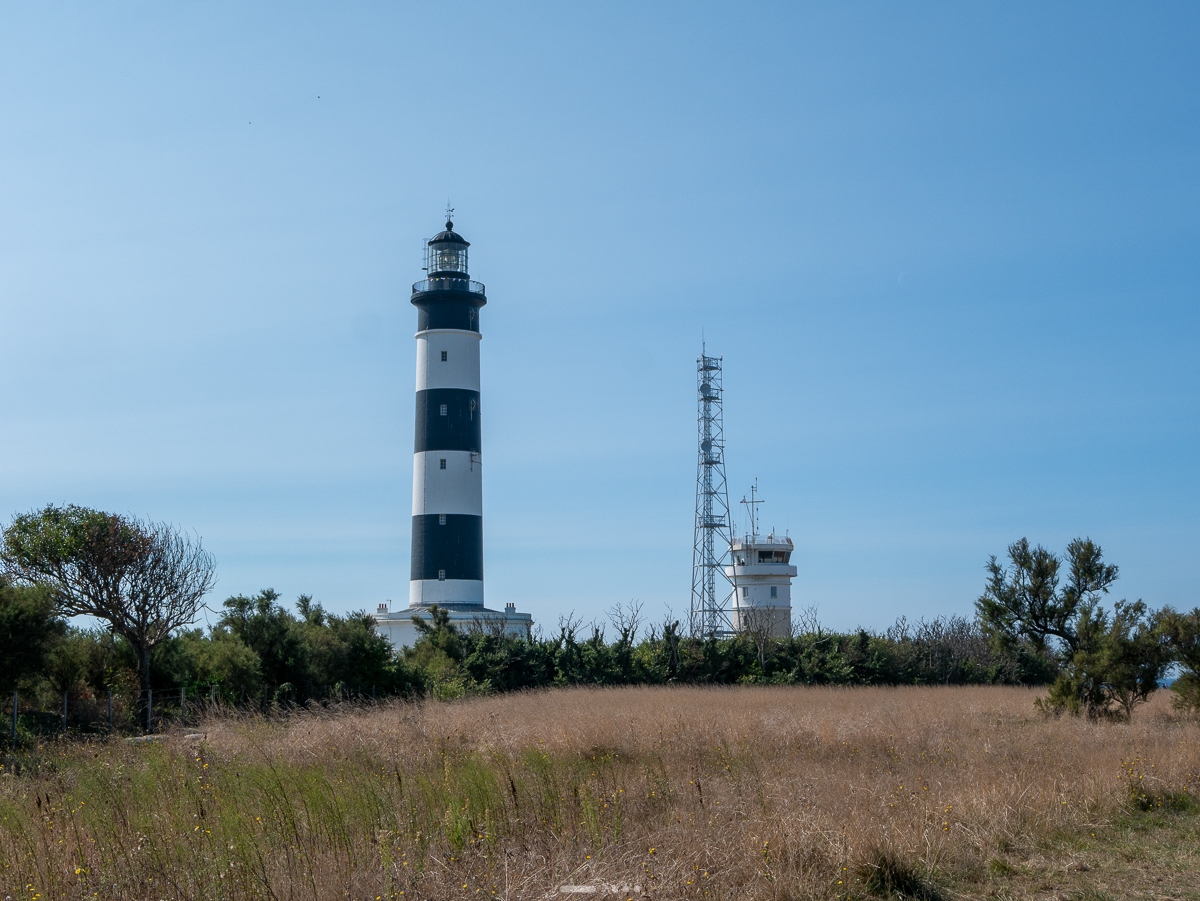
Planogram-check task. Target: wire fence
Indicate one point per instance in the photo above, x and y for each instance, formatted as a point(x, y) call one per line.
point(34, 716)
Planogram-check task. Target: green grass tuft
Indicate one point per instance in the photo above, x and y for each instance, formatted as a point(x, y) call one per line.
point(891, 876)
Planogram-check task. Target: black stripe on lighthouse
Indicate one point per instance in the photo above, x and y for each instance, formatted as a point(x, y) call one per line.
point(448, 419)
point(436, 310)
point(447, 546)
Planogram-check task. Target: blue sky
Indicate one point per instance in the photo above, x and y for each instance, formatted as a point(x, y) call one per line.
point(947, 251)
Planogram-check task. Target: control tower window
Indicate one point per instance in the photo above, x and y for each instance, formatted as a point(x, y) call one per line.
point(765, 557)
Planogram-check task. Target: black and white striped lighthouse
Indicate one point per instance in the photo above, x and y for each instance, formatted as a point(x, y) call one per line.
point(447, 514)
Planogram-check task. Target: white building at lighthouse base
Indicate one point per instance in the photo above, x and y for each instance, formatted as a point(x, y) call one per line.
point(397, 626)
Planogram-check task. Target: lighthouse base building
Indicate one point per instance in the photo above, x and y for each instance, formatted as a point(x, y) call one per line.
point(397, 625)
point(447, 510)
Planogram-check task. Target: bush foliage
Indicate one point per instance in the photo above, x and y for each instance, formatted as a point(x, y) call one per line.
point(1109, 662)
point(1039, 621)
point(258, 645)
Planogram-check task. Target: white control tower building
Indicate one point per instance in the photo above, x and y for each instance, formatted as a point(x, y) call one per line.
point(762, 573)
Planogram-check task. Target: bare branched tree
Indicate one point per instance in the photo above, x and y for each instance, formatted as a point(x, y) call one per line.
point(759, 626)
point(568, 626)
point(806, 622)
point(492, 625)
point(144, 579)
point(627, 620)
point(671, 637)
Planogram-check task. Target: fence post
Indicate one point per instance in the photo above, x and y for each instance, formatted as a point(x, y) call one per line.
point(14, 720)
point(64, 711)
point(149, 710)
point(110, 710)
point(183, 705)
point(212, 695)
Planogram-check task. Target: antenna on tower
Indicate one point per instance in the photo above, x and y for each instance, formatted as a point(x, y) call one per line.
point(750, 505)
point(712, 584)
point(449, 215)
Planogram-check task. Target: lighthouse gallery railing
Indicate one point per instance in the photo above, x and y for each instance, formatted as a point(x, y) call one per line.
point(448, 284)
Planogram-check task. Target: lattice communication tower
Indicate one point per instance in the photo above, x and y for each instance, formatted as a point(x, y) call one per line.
point(712, 587)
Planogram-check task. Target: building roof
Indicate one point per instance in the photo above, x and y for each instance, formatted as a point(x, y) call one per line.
point(449, 236)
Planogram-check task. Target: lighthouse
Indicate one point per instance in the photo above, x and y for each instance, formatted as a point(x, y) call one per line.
point(446, 563)
point(447, 512)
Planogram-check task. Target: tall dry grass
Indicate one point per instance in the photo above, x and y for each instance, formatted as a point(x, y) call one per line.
point(672, 792)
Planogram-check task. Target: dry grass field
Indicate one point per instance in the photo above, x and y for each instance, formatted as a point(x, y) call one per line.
point(746, 793)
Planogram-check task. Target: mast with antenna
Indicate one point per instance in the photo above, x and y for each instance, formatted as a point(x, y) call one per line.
point(712, 583)
point(750, 507)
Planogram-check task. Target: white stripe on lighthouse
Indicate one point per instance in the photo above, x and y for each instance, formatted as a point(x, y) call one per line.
point(452, 591)
point(460, 369)
point(456, 489)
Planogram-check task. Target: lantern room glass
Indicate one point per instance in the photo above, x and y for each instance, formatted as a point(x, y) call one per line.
point(447, 257)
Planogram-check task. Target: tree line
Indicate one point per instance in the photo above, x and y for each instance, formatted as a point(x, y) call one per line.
point(1039, 621)
point(302, 652)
